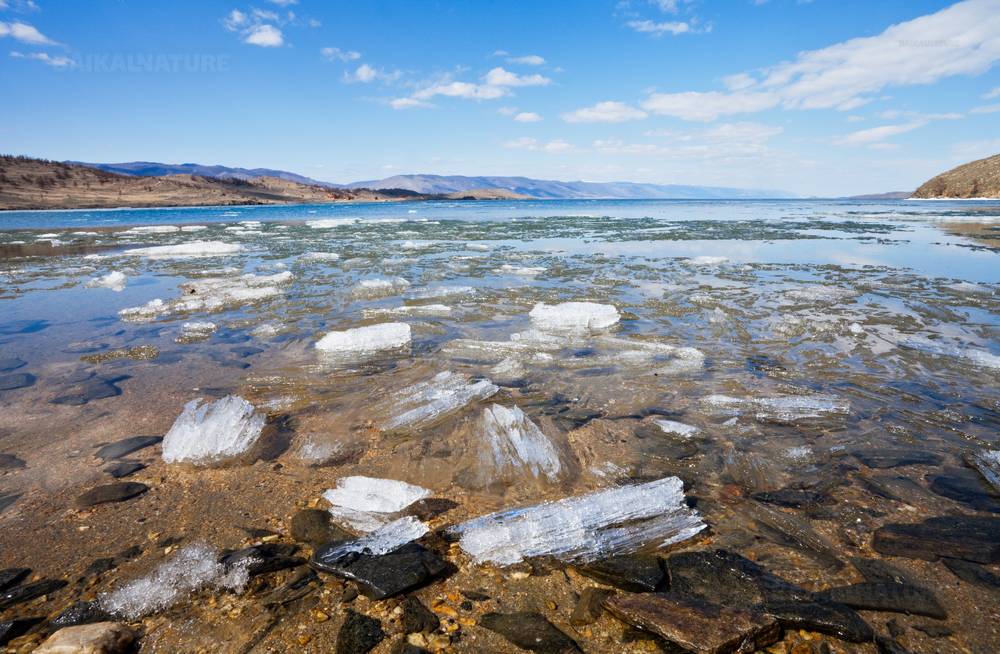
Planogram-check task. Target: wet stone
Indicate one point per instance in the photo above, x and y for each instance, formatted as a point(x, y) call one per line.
point(403, 647)
point(116, 492)
point(267, 557)
point(934, 630)
point(878, 570)
point(7, 364)
point(792, 531)
point(383, 575)
point(888, 645)
point(313, 526)
point(98, 567)
point(11, 629)
point(973, 573)
point(126, 446)
point(15, 381)
point(96, 638)
point(358, 634)
point(28, 592)
point(966, 487)
point(416, 617)
point(696, 627)
point(530, 631)
point(430, 507)
point(634, 573)
point(893, 487)
point(822, 617)
point(10, 577)
point(795, 498)
point(7, 500)
point(79, 613)
point(90, 390)
point(882, 596)
point(11, 462)
point(590, 606)
point(123, 468)
point(972, 538)
point(137, 353)
point(893, 458)
point(474, 596)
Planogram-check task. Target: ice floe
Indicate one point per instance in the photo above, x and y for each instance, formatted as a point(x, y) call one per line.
point(585, 527)
point(329, 223)
point(371, 288)
point(367, 339)
point(788, 408)
point(441, 291)
point(115, 280)
point(677, 428)
point(971, 354)
point(320, 256)
point(418, 310)
point(209, 432)
point(367, 503)
point(573, 316)
point(212, 294)
point(516, 444)
point(425, 402)
point(193, 331)
point(987, 462)
point(706, 260)
point(524, 271)
point(195, 249)
point(152, 229)
point(382, 540)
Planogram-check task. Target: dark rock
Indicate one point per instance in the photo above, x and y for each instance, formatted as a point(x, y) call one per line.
point(972, 538)
point(247, 351)
point(116, 492)
point(11, 363)
point(121, 469)
point(973, 573)
point(416, 617)
point(966, 487)
point(22, 327)
point(7, 500)
point(267, 557)
point(11, 577)
point(882, 596)
point(97, 568)
point(430, 507)
point(795, 498)
point(258, 532)
point(11, 629)
point(893, 458)
point(126, 446)
point(634, 573)
point(530, 631)
point(11, 462)
point(300, 585)
point(888, 645)
point(474, 595)
point(794, 532)
point(358, 634)
point(823, 617)
point(895, 629)
point(878, 570)
point(313, 526)
point(702, 628)
point(90, 390)
point(28, 592)
point(590, 606)
point(17, 380)
point(934, 630)
point(382, 575)
point(80, 613)
point(403, 647)
point(128, 554)
point(893, 487)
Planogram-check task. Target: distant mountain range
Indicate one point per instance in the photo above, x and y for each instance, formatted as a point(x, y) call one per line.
point(457, 184)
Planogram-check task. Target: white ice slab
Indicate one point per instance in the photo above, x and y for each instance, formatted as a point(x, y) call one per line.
point(212, 294)
point(195, 249)
point(370, 288)
point(573, 316)
point(371, 338)
point(114, 280)
point(987, 462)
point(788, 408)
point(516, 443)
point(213, 431)
point(678, 428)
point(385, 539)
point(367, 503)
point(425, 402)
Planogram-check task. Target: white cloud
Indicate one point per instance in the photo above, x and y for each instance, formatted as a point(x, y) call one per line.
point(45, 58)
point(527, 117)
point(739, 81)
point(265, 36)
point(878, 134)
point(659, 29)
point(284, 3)
point(337, 53)
point(985, 109)
point(855, 118)
point(507, 111)
point(527, 60)
point(501, 77)
point(727, 141)
point(366, 74)
point(604, 112)
point(534, 145)
point(235, 20)
point(265, 15)
point(708, 106)
point(24, 33)
point(466, 90)
point(407, 103)
point(995, 93)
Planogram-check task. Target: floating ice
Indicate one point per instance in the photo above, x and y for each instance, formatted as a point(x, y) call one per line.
point(379, 287)
point(212, 294)
point(204, 433)
point(973, 355)
point(367, 503)
point(152, 229)
point(191, 331)
point(707, 261)
point(114, 280)
point(191, 569)
point(195, 249)
point(788, 408)
point(266, 330)
point(477, 247)
point(441, 291)
point(573, 316)
point(678, 428)
point(320, 256)
point(516, 443)
point(328, 223)
point(525, 271)
point(419, 310)
point(425, 402)
point(819, 293)
point(193, 228)
point(371, 338)
point(987, 462)
point(385, 539)
point(586, 527)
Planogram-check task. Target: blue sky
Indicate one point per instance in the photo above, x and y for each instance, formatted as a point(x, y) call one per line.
point(820, 97)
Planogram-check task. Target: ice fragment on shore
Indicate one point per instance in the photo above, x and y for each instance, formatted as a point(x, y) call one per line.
point(114, 280)
point(707, 261)
point(787, 408)
point(679, 428)
point(517, 443)
point(369, 288)
point(987, 462)
point(524, 271)
point(208, 432)
point(573, 316)
point(195, 249)
point(191, 331)
point(367, 503)
point(418, 310)
point(191, 569)
point(972, 355)
point(386, 538)
point(586, 527)
point(212, 294)
point(371, 338)
point(425, 402)
point(320, 256)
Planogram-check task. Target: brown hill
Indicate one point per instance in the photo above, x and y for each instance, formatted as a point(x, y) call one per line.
point(977, 179)
point(27, 183)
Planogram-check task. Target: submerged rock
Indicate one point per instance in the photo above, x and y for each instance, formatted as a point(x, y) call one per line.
point(987, 462)
point(973, 573)
point(796, 532)
point(116, 492)
point(80, 613)
point(8, 500)
point(97, 638)
point(7, 364)
point(880, 571)
point(11, 629)
point(887, 596)
point(313, 526)
point(11, 462)
point(634, 573)
point(10, 577)
point(589, 607)
point(966, 487)
point(972, 538)
point(123, 468)
point(698, 628)
point(416, 617)
point(530, 631)
point(205, 433)
point(15, 381)
point(88, 390)
point(358, 634)
point(381, 575)
point(894, 458)
point(424, 403)
point(126, 446)
point(795, 498)
point(27, 592)
point(267, 557)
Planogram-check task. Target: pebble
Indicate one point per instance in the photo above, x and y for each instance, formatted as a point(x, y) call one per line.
point(590, 606)
point(416, 617)
point(116, 492)
point(11, 462)
point(972, 538)
point(97, 638)
point(384, 575)
point(358, 634)
point(121, 469)
point(530, 631)
point(28, 592)
point(15, 381)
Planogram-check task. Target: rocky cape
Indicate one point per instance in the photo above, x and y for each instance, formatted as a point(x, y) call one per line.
point(976, 179)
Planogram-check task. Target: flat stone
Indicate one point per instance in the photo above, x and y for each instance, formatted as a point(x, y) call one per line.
point(530, 631)
point(883, 596)
point(701, 628)
point(11, 462)
point(247, 351)
point(10, 577)
point(792, 531)
point(11, 629)
point(795, 498)
point(893, 458)
point(888, 645)
point(90, 390)
point(879, 570)
point(967, 487)
point(430, 507)
point(384, 575)
point(8, 364)
point(267, 557)
point(358, 634)
point(17, 380)
point(97, 638)
point(972, 538)
point(313, 526)
point(416, 617)
point(126, 446)
point(934, 630)
point(590, 606)
point(121, 469)
point(822, 617)
point(8, 500)
point(116, 492)
point(98, 567)
point(634, 573)
point(28, 592)
point(973, 573)
point(403, 647)
point(80, 613)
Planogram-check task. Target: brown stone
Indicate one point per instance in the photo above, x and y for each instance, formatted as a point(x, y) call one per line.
point(590, 605)
point(96, 638)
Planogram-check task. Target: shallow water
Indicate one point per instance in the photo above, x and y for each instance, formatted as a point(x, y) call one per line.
point(887, 312)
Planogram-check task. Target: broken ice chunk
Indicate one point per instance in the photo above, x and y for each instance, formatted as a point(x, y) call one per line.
point(418, 310)
point(368, 339)
point(195, 249)
point(441, 291)
point(678, 428)
point(208, 432)
point(193, 331)
point(822, 293)
point(195, 567)
point(787, 408)
point(328, 223)
point(372, 288)
point(586, 527)
point(386, 538)
point(320, 256)
point(477, 247)
point(516, 443)
point(987, 462)
point(573, 316)
point(706, 260)
point(212, 294)
point(367, 503)
point(524, 271)
point(973, 355)
point(114, 280)
point(424, 402)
